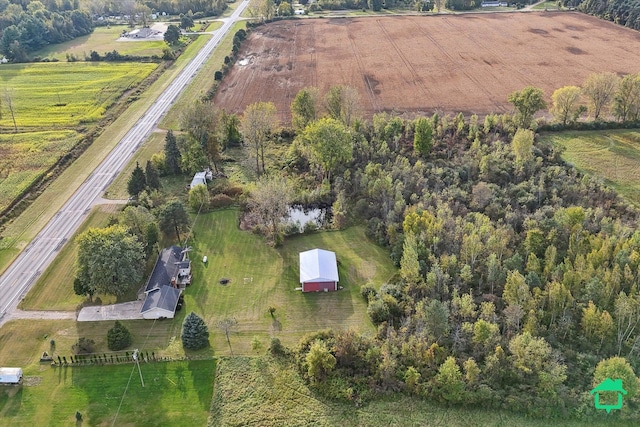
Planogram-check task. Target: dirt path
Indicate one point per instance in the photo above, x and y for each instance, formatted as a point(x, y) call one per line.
point(38, 315)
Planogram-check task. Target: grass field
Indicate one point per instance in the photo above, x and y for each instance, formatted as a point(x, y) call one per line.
point(24, 157)
point(175, 394)
point(54, 288)
point(548, 5)
point(267, 392)
point(102, 40)
point(612, 155)
point(64, 94)
point(261, 276)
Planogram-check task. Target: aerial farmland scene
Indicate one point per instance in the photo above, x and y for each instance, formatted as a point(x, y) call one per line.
point(325, 213)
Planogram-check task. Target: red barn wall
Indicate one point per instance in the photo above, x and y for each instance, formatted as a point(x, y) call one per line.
point(318, 286)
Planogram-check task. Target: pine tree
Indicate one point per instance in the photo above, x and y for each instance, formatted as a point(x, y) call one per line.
point(172, 154)
point(137, 181)
point(195, 334)
point(151, 173)
point(118, 337)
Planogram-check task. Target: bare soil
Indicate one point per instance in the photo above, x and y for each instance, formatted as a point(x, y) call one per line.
point(464, 63)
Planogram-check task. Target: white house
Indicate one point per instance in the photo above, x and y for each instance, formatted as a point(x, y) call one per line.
point(10, 375)
point(318, 271)
point(161, 303)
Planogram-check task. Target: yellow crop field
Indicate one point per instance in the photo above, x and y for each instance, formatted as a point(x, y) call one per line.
point(51, 105)
point(64, 94)
point(25, 156)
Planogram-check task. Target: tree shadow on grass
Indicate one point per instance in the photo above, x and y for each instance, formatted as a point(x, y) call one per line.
point(203, 374)
point(10, 401)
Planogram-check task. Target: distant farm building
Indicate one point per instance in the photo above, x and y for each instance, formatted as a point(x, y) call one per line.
point(10, 375)
point(171, 274)
point(318, 271)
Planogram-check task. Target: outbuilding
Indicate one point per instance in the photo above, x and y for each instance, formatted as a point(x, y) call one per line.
point(10, 375)
point(161, 303)
point(318, 271)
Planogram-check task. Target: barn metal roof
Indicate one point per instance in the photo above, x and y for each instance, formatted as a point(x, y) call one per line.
point(318, 265)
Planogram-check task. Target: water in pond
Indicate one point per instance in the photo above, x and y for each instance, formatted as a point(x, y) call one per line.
point(301, 217)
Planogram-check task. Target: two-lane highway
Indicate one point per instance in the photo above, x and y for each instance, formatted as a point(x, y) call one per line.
point(35, 258)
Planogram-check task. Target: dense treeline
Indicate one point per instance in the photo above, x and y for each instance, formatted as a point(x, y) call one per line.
point(28, 26)
point(176, 7)
point(623, 12)
point(519, 277)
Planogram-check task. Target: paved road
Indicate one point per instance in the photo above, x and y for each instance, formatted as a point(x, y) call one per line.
point(34, 259)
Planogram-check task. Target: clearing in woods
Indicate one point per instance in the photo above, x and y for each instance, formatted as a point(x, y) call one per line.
point(465, 63)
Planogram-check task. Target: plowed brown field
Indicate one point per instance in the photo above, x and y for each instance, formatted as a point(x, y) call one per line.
point(464, 63)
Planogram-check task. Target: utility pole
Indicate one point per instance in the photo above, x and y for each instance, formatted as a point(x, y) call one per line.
point(135, 359)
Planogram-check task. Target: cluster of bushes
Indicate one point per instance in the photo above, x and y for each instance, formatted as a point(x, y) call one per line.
point(113, 56)
point(229, 60)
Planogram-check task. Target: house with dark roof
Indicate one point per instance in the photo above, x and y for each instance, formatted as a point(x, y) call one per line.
point(171, 274)
point(318, 271)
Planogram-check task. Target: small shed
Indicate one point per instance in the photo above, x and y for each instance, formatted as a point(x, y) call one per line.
point(318, 271)
point(161, 303)
point(10, 375)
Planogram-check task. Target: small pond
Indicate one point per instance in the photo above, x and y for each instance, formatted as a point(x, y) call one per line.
point(301, 217)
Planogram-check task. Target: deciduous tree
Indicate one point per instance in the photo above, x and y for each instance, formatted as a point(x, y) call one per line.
point(319, 360)
point(109, 259)
point(423, 136)
point(304, 108)
point(599, 89)
point(617, 368)
point(328, 144)
point(199, 198)
point(269, 203)
point(258, 123)
point(626, 103)
point(566, 106)
point(527, 102)
point(152, 176)
point(227, 326)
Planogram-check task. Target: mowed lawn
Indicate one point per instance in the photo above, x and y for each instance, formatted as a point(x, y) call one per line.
point(260, 276)
point(174, 394)
point(102, 40)
point(612, 155)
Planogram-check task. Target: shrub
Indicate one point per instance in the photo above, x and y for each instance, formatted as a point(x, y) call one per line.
point(118, 337)
point(217, 75)
point(221, 201)
point(83, 346)
point(276, 348)
point(195, 334)
point(368, 291)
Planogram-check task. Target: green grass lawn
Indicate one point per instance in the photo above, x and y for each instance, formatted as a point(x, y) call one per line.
point(612, 155)
point(174, 394)
point(101, 40)
point(548, 5)
point(268, 392)
point(261, 277)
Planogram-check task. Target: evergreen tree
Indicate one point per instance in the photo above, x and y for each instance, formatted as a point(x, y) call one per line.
point(137, 181)
point(172, 154)
point(153, 178)
point(195, 334)
point(118, 337)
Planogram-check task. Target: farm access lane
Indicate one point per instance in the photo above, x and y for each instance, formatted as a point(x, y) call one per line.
point(34, 259)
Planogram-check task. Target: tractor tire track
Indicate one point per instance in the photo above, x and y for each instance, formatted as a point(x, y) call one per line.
point(356, 54)
point(458, 66)
point(417, 81)
point(523, 78)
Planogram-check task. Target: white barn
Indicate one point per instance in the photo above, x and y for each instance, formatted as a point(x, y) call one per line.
point(10, 375)
point(318, 271)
